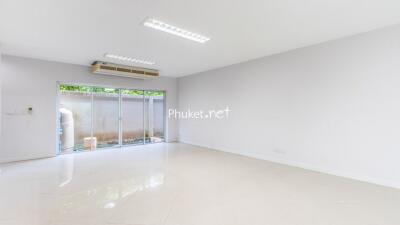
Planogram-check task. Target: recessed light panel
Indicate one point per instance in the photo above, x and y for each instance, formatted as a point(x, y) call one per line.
point(159, 25)
point(128, 59)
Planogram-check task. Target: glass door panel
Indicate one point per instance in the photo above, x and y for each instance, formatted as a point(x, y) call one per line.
point(105, 118)
point(75, 117)
point(132, 117)
point(154, 116)
point(98, 117)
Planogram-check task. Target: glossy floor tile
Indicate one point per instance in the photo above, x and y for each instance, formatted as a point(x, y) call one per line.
point(179, 184)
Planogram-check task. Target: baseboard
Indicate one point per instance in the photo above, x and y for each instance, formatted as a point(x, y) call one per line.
point(371, 180)
point(21, 159)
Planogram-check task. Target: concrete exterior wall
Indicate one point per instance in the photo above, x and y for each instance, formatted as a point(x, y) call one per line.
point(106, 114)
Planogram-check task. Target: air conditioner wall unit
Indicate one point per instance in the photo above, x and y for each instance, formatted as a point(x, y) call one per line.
point(106, 68)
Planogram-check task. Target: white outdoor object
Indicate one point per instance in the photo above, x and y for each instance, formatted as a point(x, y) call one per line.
point(67, 125)
point(90, 143)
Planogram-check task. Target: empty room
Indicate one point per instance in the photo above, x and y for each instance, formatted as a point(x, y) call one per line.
point(134, 112)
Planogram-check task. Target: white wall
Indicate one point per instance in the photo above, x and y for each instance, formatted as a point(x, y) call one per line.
point(1, 75)
point(32, 83)
point(333, 107)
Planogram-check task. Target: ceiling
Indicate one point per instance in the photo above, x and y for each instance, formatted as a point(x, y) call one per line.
point(80, 32)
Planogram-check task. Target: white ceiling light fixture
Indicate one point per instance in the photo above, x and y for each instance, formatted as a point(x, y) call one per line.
point(129, 59)
point(159, 25)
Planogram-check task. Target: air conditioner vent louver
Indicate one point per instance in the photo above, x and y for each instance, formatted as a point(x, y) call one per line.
point(151, 74)
point(138, 72)
point(107, 67)
point(122, 70)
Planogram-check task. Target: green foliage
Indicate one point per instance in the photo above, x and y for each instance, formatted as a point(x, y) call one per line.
point(154, 93)
point(105, 90)
point(89, 89)
point(131, 92)
point(85, 89)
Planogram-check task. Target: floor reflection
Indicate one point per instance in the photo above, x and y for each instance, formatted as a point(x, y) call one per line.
point(106, 196)
point(67, 170)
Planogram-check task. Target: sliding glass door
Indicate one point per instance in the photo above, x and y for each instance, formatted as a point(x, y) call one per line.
point(75, 110)
point(132, 117)
point(154, 116)
point(105, 117)
point(94, 117)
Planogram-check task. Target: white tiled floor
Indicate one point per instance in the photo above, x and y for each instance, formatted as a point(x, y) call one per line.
point(178, 184)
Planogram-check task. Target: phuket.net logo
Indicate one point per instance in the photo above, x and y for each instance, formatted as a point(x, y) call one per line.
point(199, 114)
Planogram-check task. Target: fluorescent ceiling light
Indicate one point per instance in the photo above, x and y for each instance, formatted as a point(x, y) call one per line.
point(158, 25)
point(129, 59)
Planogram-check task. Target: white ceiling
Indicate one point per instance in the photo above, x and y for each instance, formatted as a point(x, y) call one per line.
point(80, 32)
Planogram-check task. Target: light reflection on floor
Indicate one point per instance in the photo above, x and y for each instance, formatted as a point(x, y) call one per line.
point(179, 184)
